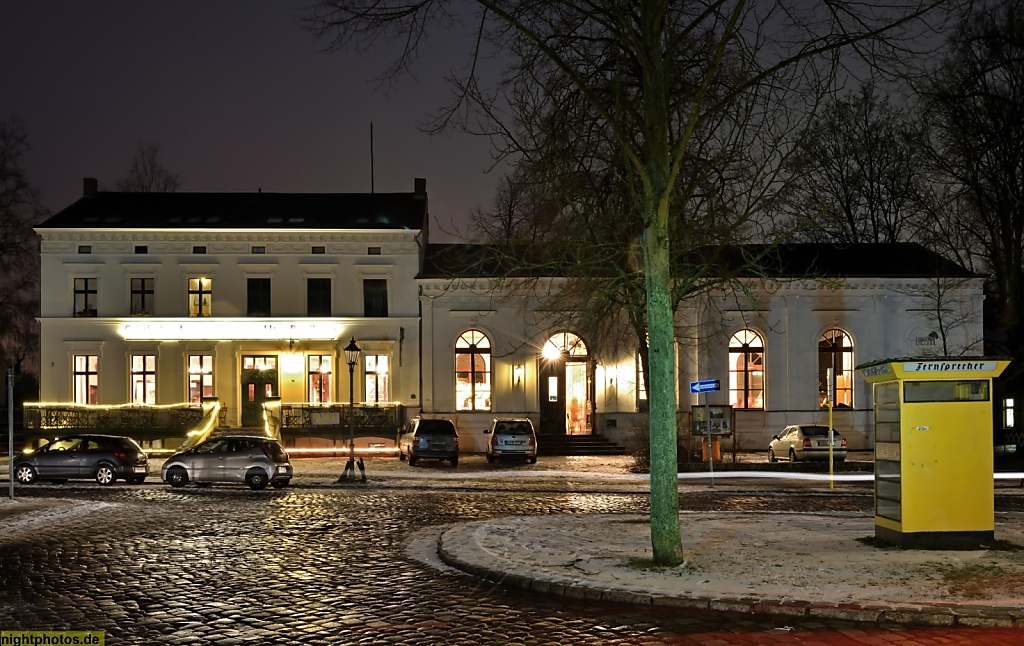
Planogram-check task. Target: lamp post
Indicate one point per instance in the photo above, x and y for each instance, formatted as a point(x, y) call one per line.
point(351, 358)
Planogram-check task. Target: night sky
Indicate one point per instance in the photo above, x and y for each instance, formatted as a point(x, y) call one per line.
point(237, 95)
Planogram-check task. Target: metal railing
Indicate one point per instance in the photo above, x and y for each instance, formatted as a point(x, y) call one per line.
point(332, 420)
point(138, 421)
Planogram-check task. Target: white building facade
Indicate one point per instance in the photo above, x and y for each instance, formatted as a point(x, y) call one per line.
point(151, 300)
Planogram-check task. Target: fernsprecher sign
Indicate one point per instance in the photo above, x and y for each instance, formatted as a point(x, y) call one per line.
point(948, 366)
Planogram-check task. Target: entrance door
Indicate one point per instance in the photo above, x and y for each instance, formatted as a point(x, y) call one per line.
point(259, 381)
point(577, 395)
point(552, 396)
point(566, 386)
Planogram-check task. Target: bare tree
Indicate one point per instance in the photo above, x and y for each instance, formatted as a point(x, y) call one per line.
point(653, 73)
point(857, 175)
point(20, 209)
point(975, 104)
point(147, 174)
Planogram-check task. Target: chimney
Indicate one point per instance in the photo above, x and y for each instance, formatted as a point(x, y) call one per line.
point(89, 186)
point(420, 185)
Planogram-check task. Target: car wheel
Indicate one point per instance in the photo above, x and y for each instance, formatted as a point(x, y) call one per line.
point(256, 479)
point(279, 484)
point(455, 460)
point(137, 481)
point(25, 474)
point(105, 475)
point(177, 477)
point(412, 461)
point(771, 456)
point(792, 455)
point(490, 458)
point(532, 460)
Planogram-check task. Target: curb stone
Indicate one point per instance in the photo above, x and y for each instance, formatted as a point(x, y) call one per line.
point(938, 615)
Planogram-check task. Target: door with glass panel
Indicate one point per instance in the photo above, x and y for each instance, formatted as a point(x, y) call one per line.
point(259, 381)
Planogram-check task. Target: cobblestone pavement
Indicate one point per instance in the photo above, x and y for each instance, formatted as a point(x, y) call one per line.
point(343, 565)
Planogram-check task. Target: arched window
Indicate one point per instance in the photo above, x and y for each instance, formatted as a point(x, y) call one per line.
point(835, 369)
point(473, 371)
point(746, 370)
point(566, 342)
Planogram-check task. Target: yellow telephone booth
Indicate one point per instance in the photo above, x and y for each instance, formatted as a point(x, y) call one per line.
point(933, 450)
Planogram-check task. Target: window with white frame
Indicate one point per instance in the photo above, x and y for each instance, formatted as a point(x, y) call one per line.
point(1008, 413)
point(85, 296)
point(142, 290)
point(473, 371)
point(375, 368)
point(746, 370)
point(835, 369)
point(641, 385)
point(200, 377)
point(200, 297)
point(319, 368)
point(86, 378)
point(143, 378)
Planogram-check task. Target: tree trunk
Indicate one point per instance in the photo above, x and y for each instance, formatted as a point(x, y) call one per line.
point(666, 541)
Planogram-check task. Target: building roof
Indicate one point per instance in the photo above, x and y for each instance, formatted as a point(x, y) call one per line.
point(787, 261)
point(115, 210)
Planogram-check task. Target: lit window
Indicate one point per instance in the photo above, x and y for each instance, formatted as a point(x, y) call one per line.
point(200, 296)
point(318, 369)
point(200, 377)
point(376, 368)
point(87, 378)
point(746, 370)
point(835, 369)
point(143, 378)
point(1008, 413)
point(473, 371)
point(641, 385)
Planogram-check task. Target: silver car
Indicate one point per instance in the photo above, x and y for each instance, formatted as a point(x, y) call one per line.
point(806, 442)
point(256, 461)
point(429, 438)
point(511, 438)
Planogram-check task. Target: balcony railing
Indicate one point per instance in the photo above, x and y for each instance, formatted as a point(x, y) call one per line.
point(332, 420)
point(137, 421)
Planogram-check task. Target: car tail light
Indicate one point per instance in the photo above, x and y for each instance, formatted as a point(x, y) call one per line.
point(532, 442)
point(121, 455)
point(455, 441)
point(843, 443)
point(494, 440)
point(807, 443)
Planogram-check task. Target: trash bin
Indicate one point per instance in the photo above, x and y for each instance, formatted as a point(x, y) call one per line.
point(716, 449)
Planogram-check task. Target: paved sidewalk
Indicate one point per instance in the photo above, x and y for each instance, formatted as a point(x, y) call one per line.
point(768, 563)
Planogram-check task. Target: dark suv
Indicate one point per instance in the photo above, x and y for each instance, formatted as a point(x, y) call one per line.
point(429, 438)
point(105, 458)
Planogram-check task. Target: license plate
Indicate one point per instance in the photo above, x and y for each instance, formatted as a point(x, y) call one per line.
point(139, 469)
point(823, 443)
point(513, 443)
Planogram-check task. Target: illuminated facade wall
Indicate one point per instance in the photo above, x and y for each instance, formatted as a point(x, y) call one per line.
point(172, 314)
point(165, 315)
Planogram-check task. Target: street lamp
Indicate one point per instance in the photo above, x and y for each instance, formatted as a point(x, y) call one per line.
point(351, 358)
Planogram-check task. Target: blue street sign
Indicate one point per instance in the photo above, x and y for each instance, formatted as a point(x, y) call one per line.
point(707, 385)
